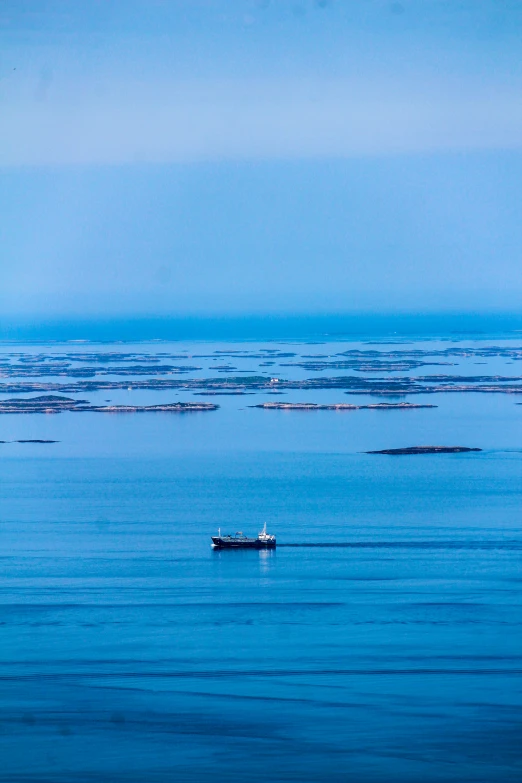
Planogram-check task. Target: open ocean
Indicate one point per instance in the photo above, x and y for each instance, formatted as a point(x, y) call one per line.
point(381, 641)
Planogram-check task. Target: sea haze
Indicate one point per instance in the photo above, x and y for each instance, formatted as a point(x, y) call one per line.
point(381, 641)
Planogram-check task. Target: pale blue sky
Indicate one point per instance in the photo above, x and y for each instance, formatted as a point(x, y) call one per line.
point(245, 156)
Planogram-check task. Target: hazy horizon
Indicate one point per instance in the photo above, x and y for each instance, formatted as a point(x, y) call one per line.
point(268, 327)
point(250, 157)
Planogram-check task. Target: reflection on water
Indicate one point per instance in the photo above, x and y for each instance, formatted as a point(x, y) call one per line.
point(262, 558)
point(265, 559)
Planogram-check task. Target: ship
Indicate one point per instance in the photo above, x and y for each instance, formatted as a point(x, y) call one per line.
point(239, 541)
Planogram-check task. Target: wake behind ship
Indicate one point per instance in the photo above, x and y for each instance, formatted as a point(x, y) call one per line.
point(239, 541)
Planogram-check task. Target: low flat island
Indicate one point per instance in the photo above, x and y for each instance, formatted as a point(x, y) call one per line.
point(425, 450)
point(32, 440)
point(51, 403)
point(341, 406)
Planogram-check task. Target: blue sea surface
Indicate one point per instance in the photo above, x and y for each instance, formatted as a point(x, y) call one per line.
point(381, 641)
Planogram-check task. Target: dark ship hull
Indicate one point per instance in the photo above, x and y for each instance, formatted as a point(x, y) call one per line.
point(241, 542)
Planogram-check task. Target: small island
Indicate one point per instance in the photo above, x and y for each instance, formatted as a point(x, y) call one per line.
point(50, 403)
point(31, 440)
point(223, 393)
point(425, 450)
point(341, 406)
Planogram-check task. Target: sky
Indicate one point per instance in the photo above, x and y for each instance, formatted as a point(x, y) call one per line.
point(193, 157)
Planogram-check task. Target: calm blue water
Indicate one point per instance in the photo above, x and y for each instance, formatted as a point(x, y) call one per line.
point(381, 641)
